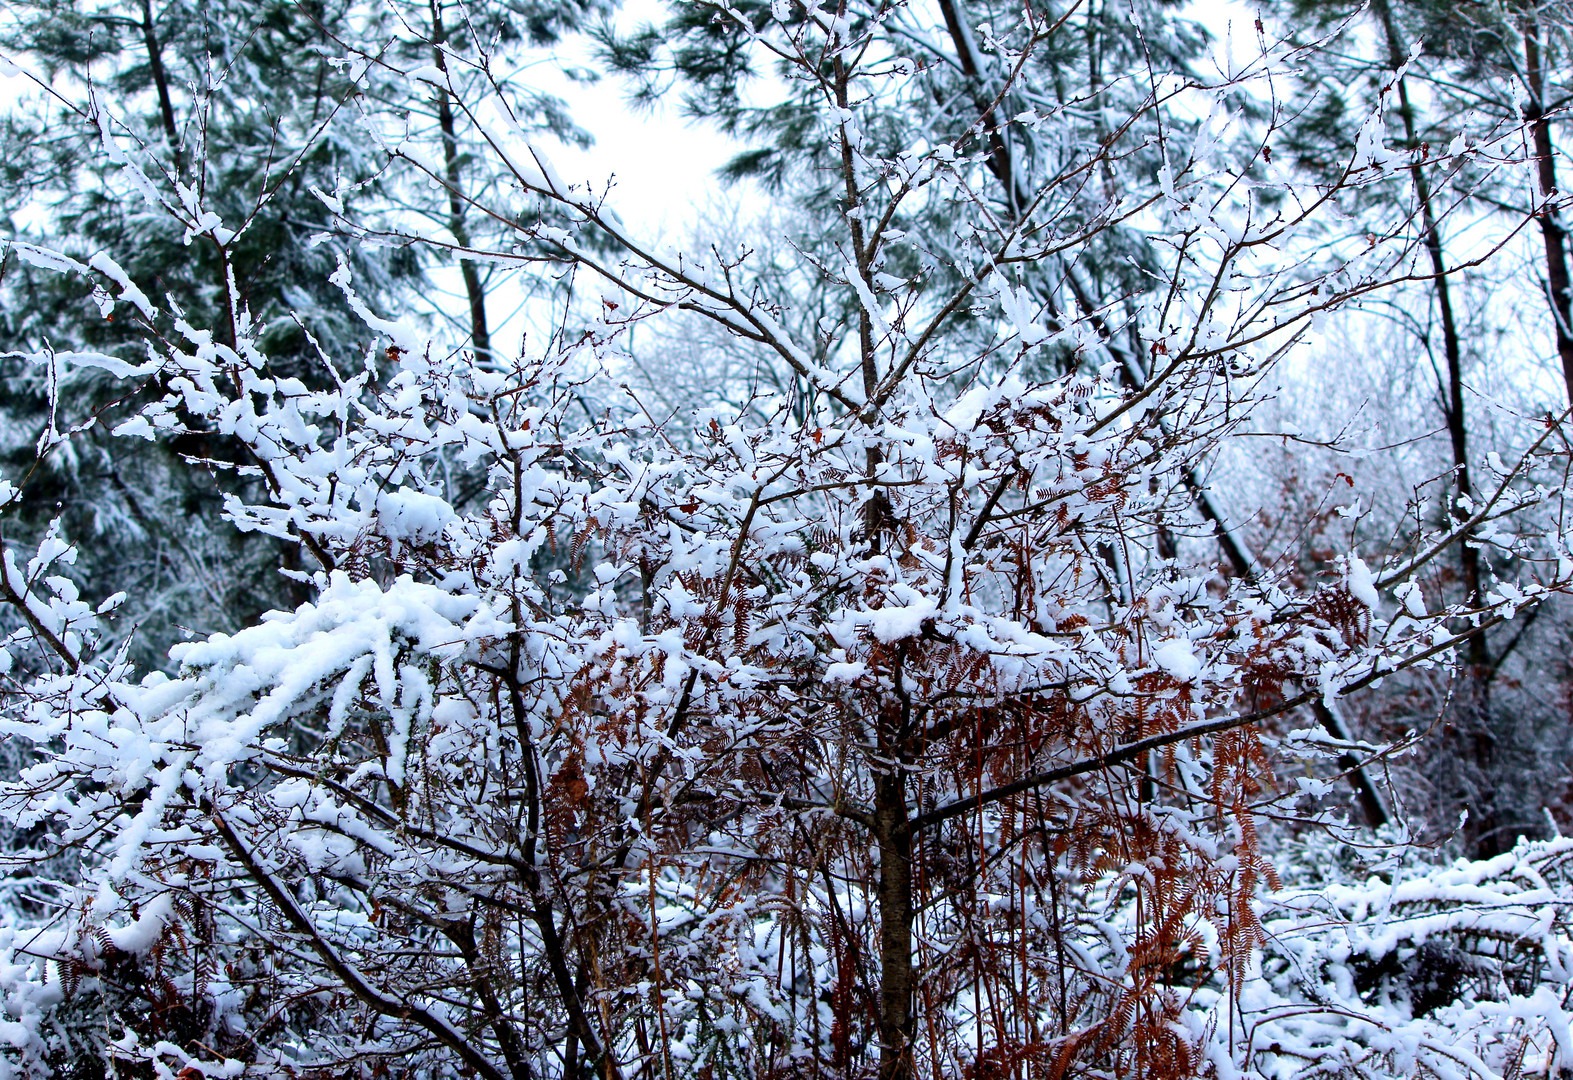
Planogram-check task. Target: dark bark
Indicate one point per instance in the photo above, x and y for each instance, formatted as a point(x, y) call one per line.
point(225, 331)
point(462, 934)
point(896, 1019)
point(1472, 724)
point(1452, 348)
point(1372, 805)
point(1369, 795)
point(1001, 161)
point(1001, 164)
point(155, 60)
point(349, 976)
point(1136, 752)
point(1559, 288)
point(480, 333)
point(580, 1030)
point(894, 837)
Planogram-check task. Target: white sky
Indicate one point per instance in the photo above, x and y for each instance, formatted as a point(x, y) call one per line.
point(664, 166)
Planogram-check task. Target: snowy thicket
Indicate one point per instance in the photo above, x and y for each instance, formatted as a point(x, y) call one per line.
point(884, 723)
point(1454, 970)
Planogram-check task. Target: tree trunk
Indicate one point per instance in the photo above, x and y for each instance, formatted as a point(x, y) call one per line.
point(1472, 708)
point(480, 334)
point(1431, 237)
point(1551, 230)
point(895, 927)
point(1001, 163)
point(155, 61)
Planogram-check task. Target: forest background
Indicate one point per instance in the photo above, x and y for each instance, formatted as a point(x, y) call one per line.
point(1058, 566)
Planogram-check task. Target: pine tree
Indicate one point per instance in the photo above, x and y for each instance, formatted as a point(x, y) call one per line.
point(1450, 78)
point(1048, 120)
point(249, 110)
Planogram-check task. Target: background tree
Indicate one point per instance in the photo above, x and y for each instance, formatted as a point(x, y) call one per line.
point(208, 146)
point(1461, 75)
point(244, 113)
point(1040, 124)
point(252, 116)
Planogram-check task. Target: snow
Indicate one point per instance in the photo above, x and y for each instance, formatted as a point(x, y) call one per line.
point(1409, 595)
point(1362, 586)
point(654, 660)
point(412, 515)
point(1177, 657)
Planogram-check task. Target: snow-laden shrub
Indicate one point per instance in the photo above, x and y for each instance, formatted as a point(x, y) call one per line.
point(874, 727)
point(1455, 970)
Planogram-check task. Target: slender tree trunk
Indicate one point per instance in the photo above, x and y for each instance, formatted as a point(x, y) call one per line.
point(896, 982)
point(581, 1031)
point(896, 1019)
point(1457, 427)
point(1551, 229)
point(166, 108)
point(1452, 348)
point(155, 60)
point(480, 334)
point(1473, 705)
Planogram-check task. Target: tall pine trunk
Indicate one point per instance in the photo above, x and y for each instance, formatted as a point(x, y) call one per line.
point(1472, 708)
point(1559, 289)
